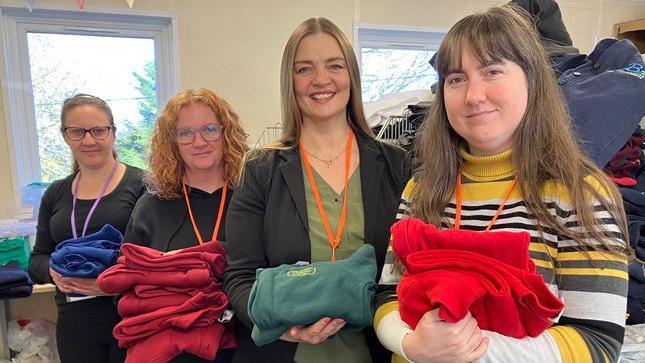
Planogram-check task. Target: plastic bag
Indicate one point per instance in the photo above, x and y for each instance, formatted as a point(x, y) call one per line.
point(633, 349)
point(34, 340)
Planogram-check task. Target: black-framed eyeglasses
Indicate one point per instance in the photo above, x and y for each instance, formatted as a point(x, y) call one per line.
point(78, 133)
point(210, 133)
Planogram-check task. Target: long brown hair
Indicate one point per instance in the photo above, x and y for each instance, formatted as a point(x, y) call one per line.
point(544, 148)
point(291, 116)
point(166, 166)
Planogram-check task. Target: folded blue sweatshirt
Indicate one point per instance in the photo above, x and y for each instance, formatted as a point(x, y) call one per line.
point(87, 256)
point(14, 281)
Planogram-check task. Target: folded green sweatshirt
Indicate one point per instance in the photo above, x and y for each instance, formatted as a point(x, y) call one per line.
point(15, 249)
point(290, 295)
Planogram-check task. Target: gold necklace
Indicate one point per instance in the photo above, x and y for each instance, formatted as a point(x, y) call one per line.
point(329, 161)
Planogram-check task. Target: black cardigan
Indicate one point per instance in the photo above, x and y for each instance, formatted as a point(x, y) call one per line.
point(267, 225)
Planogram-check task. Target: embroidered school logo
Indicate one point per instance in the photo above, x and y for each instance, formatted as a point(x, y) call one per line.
point(302, 272)
point(634, 69)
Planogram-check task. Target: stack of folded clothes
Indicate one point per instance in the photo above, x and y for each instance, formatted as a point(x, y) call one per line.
point(489, 274)
point(87, 256)
point(170, 302)
point(14, 281)
point(294, 295)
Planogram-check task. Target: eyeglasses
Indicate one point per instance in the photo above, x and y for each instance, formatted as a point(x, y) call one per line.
point(210, 133)
point(78, 133)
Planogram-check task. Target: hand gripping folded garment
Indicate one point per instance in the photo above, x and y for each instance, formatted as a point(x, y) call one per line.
point(87, 256)
point(290, 295)
point(171, 304)
point(511, 300)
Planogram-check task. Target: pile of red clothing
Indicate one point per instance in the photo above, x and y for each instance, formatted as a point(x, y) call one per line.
point(489, 274)
point(171, 302)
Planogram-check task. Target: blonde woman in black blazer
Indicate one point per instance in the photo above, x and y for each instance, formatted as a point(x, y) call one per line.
point(268, 222)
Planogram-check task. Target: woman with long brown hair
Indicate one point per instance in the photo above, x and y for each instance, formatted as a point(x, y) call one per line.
point(499, 139)
point(290, 204)
point(196, 153)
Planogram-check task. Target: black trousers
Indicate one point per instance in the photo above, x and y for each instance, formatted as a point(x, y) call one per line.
point(84, 332)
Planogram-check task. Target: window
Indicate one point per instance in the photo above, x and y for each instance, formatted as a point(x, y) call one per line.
point(127, 60)
point(395, 59)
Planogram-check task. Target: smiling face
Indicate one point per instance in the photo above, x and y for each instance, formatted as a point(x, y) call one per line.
point(200, 155)
point(88, 151)
point(485, 103)
point(321, 79)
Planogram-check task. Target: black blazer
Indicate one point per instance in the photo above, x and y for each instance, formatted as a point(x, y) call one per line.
point(267, 225)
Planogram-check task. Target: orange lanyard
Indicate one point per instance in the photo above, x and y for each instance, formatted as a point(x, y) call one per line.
point(460, 199)
point(219, 213)
point(333, 242)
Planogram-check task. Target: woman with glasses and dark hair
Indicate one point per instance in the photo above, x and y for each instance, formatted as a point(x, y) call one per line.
point(101, 190)
point(196, 154)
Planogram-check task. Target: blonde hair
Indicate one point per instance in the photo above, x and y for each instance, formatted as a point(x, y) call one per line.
point(291, 116)
point(166, 166)
point(544, 148)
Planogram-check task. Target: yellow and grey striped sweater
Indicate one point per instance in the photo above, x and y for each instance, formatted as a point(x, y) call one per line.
point(593, 286)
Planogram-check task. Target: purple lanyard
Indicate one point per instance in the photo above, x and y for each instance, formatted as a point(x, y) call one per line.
point(96, 202)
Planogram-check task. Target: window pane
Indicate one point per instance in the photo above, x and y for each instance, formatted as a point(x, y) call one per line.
point(119, 70)
point(388, 71)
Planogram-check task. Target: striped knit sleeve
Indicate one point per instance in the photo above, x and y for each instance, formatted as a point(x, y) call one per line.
point(593, 286)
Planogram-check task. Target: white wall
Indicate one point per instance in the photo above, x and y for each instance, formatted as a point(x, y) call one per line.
point(234, 47)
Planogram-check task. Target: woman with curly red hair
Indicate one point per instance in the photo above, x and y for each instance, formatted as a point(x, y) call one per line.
point(196, 154)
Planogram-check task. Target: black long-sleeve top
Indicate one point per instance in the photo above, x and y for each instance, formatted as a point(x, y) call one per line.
point(54, 225)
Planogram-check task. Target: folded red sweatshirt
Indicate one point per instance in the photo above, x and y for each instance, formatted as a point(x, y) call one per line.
point(411, 235)
point(484, 292)
point(208, 255)
point(151, 291)
point(202, 310)
point(119, 278)
point(502, 298)
point(130, 304)
point(203, 342)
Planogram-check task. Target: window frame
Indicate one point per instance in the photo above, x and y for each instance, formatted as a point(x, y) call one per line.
point(17, 91)
point(382, 36)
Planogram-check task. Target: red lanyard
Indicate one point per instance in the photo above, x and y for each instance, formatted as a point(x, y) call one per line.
point(219, 213)
point(334, 242)
point(460, 199)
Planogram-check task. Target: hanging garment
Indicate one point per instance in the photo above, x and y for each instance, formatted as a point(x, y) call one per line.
point(604, 95)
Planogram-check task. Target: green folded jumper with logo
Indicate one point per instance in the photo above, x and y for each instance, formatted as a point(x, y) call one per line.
point(290, 295)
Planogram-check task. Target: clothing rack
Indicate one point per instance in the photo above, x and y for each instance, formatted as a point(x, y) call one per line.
point(269, 134)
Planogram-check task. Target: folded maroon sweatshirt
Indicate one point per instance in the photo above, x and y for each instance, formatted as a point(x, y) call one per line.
point(502, 292)
point(411, 235)
point(202, 310)
point(131, 304)
point(151, 291)
point(203, 342)
point(208, 255)
point(119, 278)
